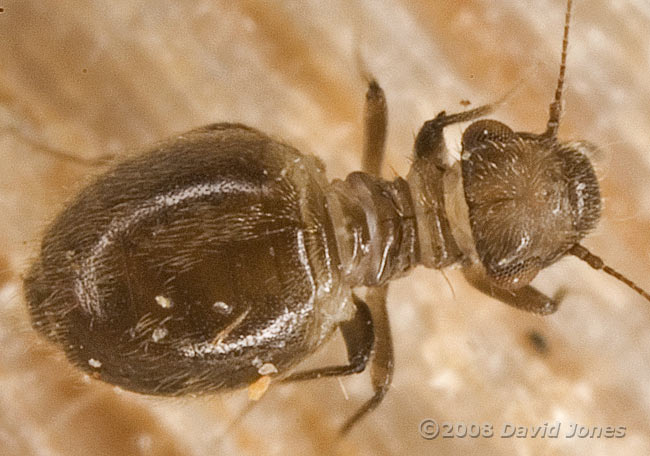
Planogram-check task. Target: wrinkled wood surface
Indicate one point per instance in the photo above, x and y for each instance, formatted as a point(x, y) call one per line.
point(97, 77)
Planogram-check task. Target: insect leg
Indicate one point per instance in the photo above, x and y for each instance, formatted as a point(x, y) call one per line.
point(40, 147)
point(375, 122)
point(381, 367)
point(430, 141)
point(359, 336)
point(527, 298)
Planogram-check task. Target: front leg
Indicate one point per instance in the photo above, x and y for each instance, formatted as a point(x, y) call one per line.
point(430, 141)
point(527, 298)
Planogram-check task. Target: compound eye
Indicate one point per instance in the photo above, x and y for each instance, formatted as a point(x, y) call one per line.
point(482, 132)
point(584, 192)
point(511, 274)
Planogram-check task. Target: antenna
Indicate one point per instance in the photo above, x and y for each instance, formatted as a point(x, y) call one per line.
point(555, 109)
point(597, 263)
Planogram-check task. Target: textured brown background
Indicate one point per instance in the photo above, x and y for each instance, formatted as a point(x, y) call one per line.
point(96, 77)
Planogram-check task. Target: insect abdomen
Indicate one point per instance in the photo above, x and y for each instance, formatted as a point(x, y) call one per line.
point(187, 268)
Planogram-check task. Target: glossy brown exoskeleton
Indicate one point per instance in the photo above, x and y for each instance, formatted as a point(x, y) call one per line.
point(222, 257)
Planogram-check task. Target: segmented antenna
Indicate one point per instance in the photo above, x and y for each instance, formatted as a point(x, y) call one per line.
point(597, 263)
point(555, 109)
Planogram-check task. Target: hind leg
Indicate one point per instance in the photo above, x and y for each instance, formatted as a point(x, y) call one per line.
point(367, 335)
point(381, 363)
point(375, 123)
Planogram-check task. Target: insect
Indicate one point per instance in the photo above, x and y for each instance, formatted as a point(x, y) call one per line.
point(222, 256)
